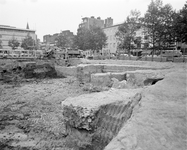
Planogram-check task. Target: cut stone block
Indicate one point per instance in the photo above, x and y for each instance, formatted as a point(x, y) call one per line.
point(178, 59)
point(163, 59)
point(105, 79)
point(74, 61)
point(158, 59)
point(66, 71)
point(119, 84)
point(101, 79)
point(98, 117)
point(123, 68)
point(185, 59)
point(84, 72)
point(119, 75)
point(60, 62)
point(117, 71)
point(140, 79)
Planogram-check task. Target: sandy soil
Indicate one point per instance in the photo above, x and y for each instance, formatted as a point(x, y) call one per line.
point(160, 120)
point(31, 117)
point(30, 114)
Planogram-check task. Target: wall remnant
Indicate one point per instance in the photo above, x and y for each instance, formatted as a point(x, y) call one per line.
point(92, 120)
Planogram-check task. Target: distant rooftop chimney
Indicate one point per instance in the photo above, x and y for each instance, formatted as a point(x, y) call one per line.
point(108, 22)
point(92, 16)
point(27, 26)
point(98, 17)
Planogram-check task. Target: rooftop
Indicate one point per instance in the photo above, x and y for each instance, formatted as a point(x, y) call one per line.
point(14, 28)
point(113, 25)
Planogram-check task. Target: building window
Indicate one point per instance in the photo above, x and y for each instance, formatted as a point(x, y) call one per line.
point(146, 45)
point(145, 37)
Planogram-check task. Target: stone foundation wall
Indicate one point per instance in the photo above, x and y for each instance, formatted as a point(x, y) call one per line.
point(99, 72)
point(66, 71)
point(92, 120)
point(74, 61)
point(84, 72)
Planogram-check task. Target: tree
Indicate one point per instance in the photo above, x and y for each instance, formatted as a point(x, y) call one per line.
point(1, 44)
point(62, 41)
point(81, 40)
point(166, 35)
point(158, 21)
point(13, 43)
point(28, 43)
point(98, 38)
point(93, 38)
point(180, 24)
point(152, 22)
point(127, 31)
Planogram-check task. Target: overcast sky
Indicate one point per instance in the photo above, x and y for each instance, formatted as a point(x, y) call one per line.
point(53, 16)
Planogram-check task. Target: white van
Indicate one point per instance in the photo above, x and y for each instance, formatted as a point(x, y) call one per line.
point(171, 53)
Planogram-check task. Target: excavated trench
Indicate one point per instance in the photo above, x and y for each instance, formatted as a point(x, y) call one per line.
point(15, 73)
point(110, 120)
point(151, 81)
point(104, 124)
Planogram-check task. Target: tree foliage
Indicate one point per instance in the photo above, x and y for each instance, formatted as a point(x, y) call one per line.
point(1, 44)
point(162, 26)
point(126, 34)
point(158, 21)
point(13, 43)
point(28, 43)
point(93, 38)
point(180, 24)
point(63, 41)
point(152, 22)
point(166, 30)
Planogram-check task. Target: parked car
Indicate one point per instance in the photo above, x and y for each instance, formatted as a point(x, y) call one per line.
point(89, 57)
point(171, 53)
point(1, 54)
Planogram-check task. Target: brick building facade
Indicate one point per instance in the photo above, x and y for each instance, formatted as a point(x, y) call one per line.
point(8, 32)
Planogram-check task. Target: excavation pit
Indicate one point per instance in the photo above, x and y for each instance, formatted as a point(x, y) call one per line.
point(100, 75)
point(92, 120)
point(156, 121)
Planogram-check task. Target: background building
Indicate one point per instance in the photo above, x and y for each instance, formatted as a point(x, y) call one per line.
point(69, 36)
point(92, 21)
point(108, 22)
point(112, 42)
point(8, 33)
point(108, 28)
point(98, 22)
point(50, 39)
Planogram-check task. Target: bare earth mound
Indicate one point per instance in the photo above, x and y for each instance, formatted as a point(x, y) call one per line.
point(146, 117)
point(160, 122)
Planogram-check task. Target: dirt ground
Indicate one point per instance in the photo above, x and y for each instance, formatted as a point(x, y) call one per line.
point(31, 116)
point(159, 122)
